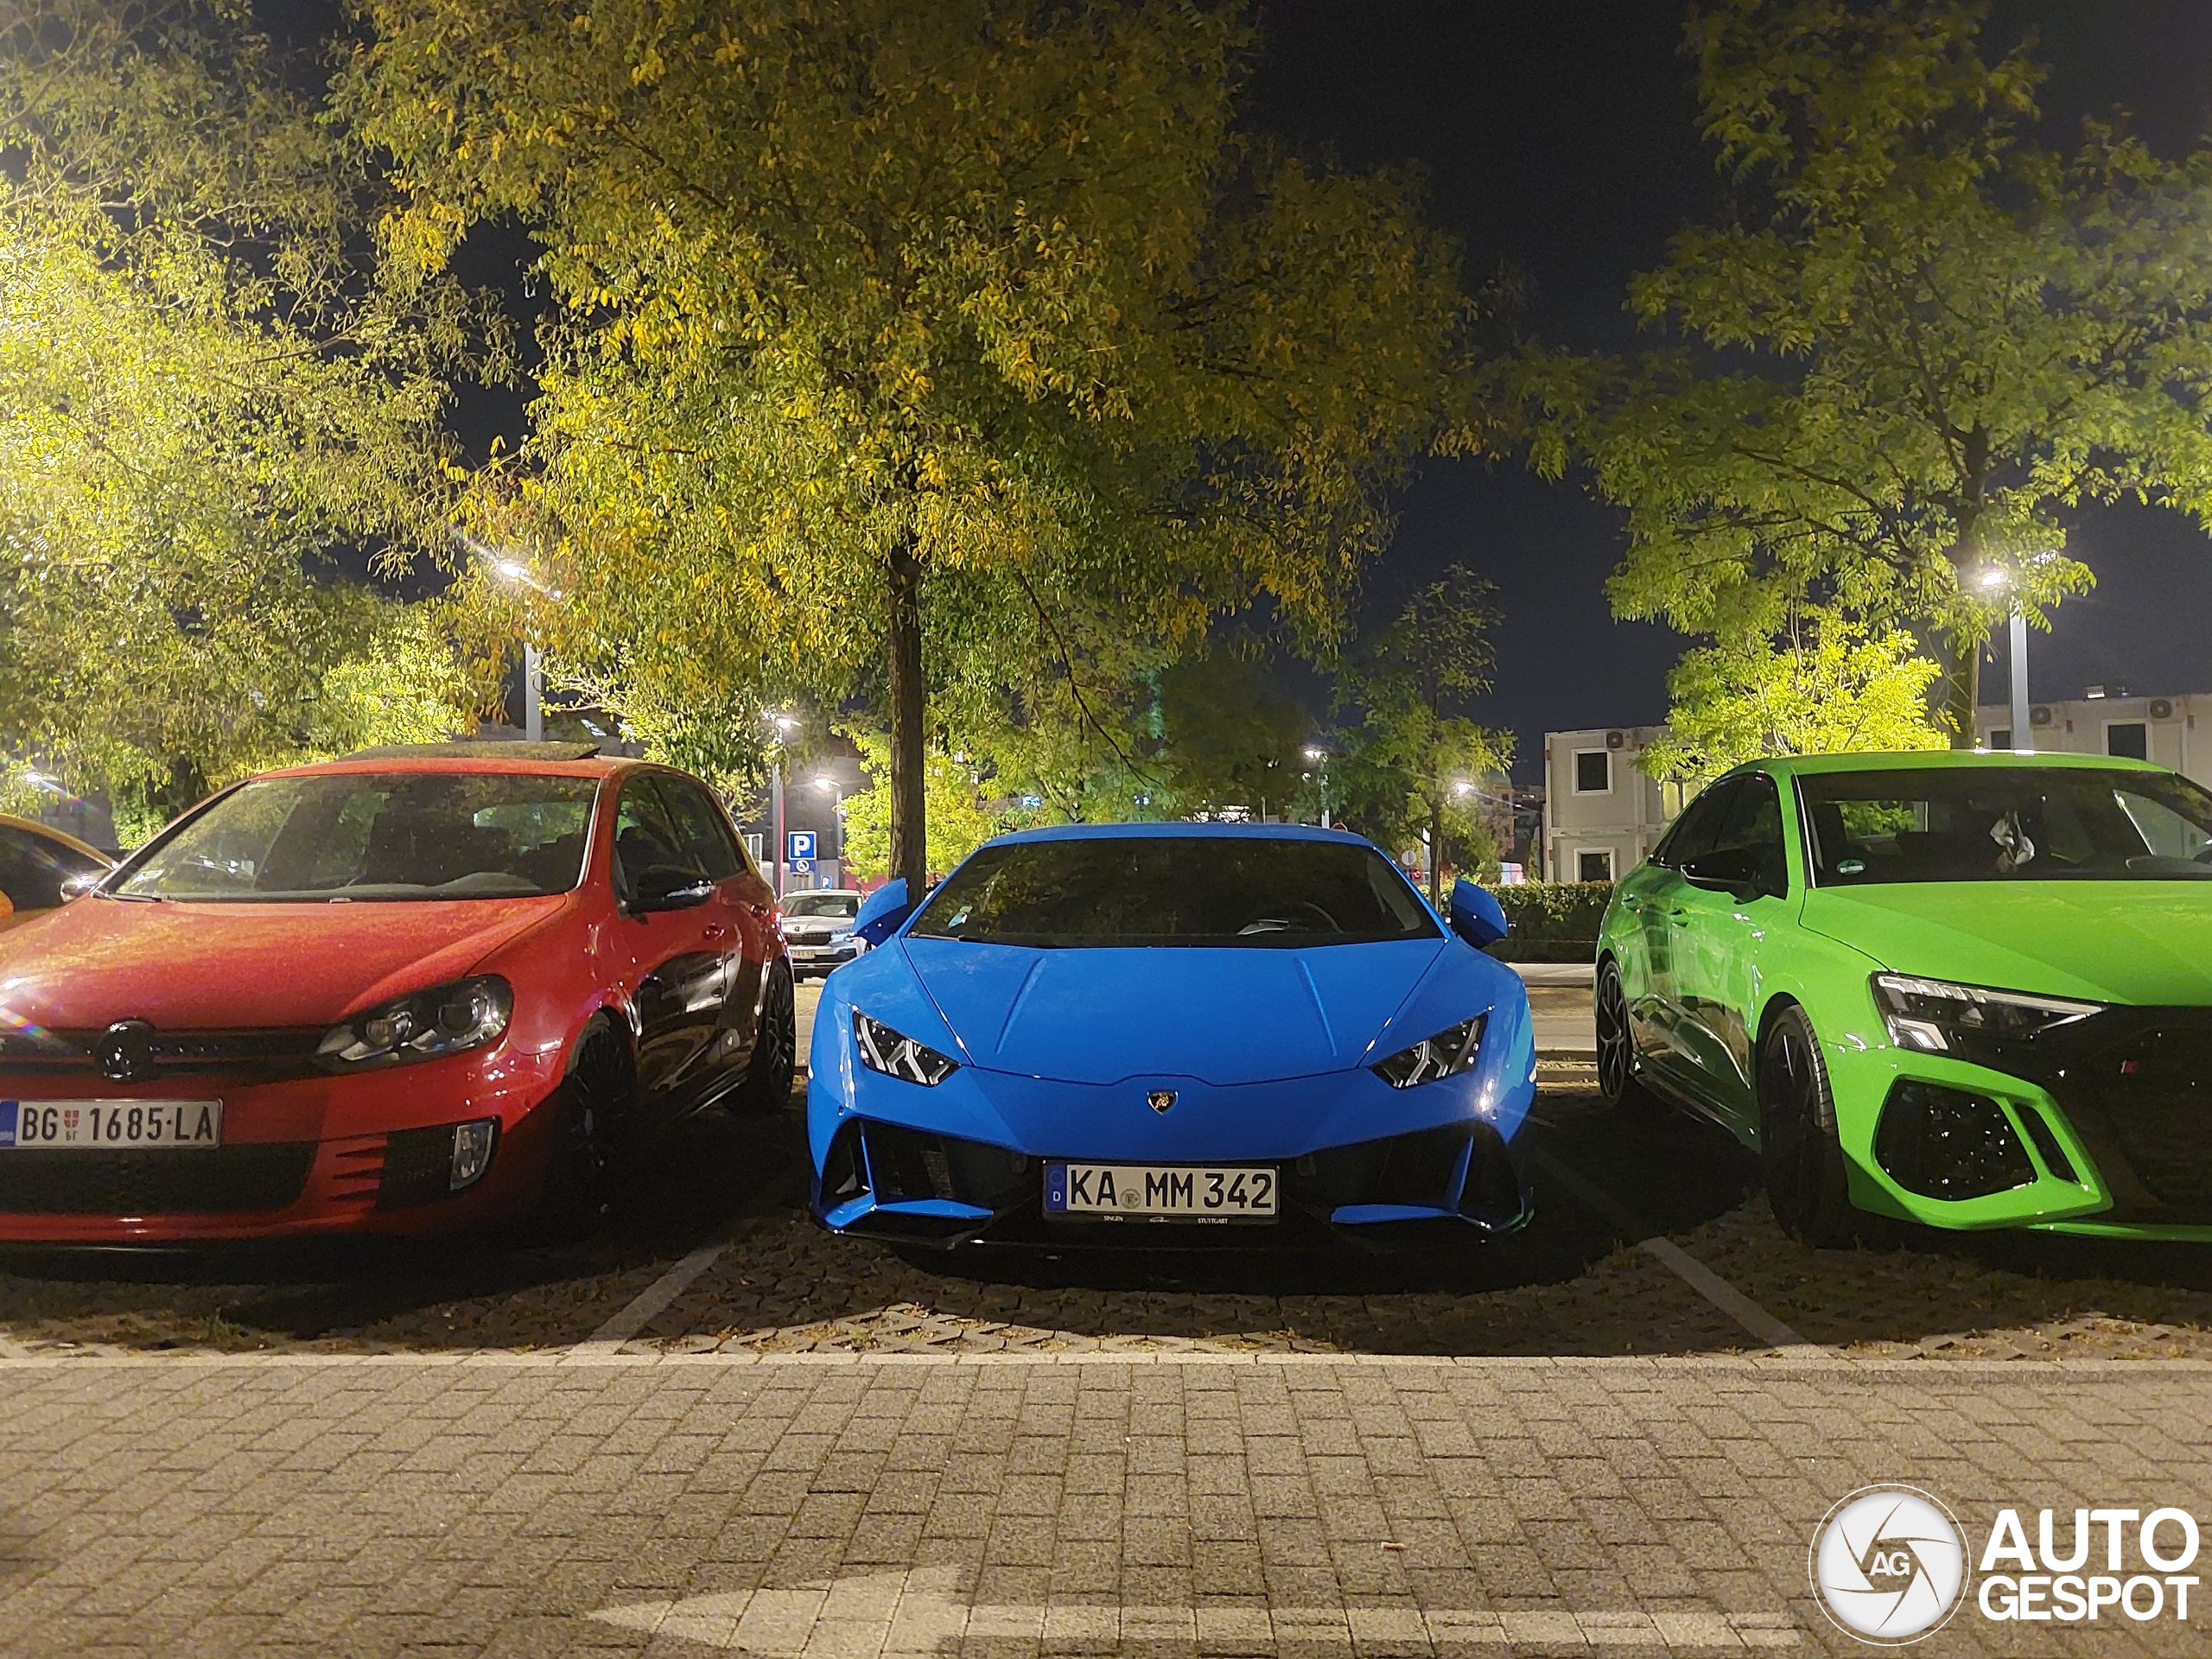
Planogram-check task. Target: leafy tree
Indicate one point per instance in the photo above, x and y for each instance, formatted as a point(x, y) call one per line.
point(1828, 684)
point(204, 397)
point(962, 818)
point(960, 352)
point(1413, 764)
point(1228, 736)
point(1920, 338)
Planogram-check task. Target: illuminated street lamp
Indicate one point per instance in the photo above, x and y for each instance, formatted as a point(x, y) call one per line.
point(1996, 579)
point(1319, 757)
point(836, 792)
point(517, 573)
point(784, 725)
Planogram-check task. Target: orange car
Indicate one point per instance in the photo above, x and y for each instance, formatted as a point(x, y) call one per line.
point(40, 869)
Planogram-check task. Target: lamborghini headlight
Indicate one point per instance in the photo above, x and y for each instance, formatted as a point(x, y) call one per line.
point(1937, 1017)
point(897, 1055)
point(1445, 1055)
point(427, 1026)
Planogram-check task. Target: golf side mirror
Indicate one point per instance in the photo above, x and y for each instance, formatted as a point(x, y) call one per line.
point(664, 887)
point(881, 912)
point(1477, 917)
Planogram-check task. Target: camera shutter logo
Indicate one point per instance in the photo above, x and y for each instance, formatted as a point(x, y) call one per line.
point(1889, 1565)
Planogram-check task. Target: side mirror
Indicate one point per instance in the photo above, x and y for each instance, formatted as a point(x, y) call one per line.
point(1735, 871)
point(662, 887)
point(881, 912)
point(1477, 917)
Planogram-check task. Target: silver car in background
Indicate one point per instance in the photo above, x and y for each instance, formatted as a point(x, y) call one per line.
point(818, 926)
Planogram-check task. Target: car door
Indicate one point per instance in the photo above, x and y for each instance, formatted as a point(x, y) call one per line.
point(1717, 949)
point(1658, 899)
point(38, 873)
point(679, 958)
point(745, 905)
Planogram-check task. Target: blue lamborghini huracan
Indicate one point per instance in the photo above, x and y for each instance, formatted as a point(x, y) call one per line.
point(1169, 1034)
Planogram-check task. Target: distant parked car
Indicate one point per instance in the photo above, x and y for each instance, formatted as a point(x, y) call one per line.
point(41, 869)
point(419, 991)
point(819, 924)
point(1967, 990)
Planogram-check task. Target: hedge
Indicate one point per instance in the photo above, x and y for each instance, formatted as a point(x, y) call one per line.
point(1552, 921)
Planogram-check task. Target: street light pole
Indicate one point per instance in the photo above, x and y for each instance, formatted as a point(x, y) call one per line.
point(533, 695)
point(2020, 726)
point(784, 725)
point(837, 815)
point(1319, 757)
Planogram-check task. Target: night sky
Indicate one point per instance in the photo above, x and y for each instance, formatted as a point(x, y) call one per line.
point(1560, 138)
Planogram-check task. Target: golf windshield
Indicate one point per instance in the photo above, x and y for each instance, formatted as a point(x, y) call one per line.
point(838, 906)
point(1257, 891)
point(390, 837)
point(2006, 823)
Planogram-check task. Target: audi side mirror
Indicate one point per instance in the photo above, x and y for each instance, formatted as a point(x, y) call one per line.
point(1477, 917)
point(1734, 871)
point(881, 912)
point(662, 887)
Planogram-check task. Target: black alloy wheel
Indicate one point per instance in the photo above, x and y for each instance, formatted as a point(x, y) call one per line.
point(589, 1110)
point(768, 1075)
point(1807, 1180)
point(1617, 1079)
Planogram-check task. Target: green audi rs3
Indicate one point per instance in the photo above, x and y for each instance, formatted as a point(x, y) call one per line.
point(1968, 990)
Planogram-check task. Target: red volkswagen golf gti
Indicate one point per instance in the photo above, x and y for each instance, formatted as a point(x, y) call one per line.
point(416, 991)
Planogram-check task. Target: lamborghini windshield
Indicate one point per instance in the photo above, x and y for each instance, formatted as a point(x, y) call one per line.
point(1259, 892)
point(364, 836)
point(2005, 824)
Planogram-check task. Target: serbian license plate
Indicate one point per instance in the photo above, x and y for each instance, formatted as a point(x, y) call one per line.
point(1176, 1191)
point(108, 1125)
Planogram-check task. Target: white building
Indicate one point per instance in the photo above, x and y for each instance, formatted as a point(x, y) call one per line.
point(2159, 729)
point(1602, 813)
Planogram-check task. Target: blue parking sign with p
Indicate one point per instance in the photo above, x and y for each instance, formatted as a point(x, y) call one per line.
point(801, 847)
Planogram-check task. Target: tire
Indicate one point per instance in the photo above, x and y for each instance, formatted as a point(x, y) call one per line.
point(767, 1085)
point(1616, 1081)
point(1808, 1182)
point(587, 1113)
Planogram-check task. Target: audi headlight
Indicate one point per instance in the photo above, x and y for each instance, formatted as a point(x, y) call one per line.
point(1445, 1055)
point(1936, 1017)
point(897, 1055)
point(427, 1026)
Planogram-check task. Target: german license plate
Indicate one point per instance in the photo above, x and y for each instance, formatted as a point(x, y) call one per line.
point(108, 1125)
point(1178, 1191)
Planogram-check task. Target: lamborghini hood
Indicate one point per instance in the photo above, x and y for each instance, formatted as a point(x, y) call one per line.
point(1228, 1016)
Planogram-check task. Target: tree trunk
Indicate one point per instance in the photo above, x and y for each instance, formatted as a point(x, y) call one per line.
point(1959, 690)
point(909, 854)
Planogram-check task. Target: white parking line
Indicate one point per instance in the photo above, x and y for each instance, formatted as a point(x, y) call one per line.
point(1701, 1279)
point(648, 1303)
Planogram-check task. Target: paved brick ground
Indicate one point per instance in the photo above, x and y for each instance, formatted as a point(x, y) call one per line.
point(500, 1506)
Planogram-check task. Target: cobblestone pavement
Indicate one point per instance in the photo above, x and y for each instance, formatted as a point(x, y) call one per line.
point(506, 1507)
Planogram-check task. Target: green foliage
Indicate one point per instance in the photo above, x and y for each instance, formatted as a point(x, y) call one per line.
point(1228, 736)
point(1410, 764)
point(1826, 686)
point(961, 817)
point(1552, 921)
point(994, 288)
point(204, 396)
point(407, 687)
point(1923, 338)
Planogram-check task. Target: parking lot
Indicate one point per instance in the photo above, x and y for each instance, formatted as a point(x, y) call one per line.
point(712, 1223)
point(713, 1428)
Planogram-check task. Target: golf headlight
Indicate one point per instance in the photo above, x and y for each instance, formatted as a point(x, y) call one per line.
point(427, 1026)
point(1445, 1055)
point(1936, 1017)
point(897, 1055)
